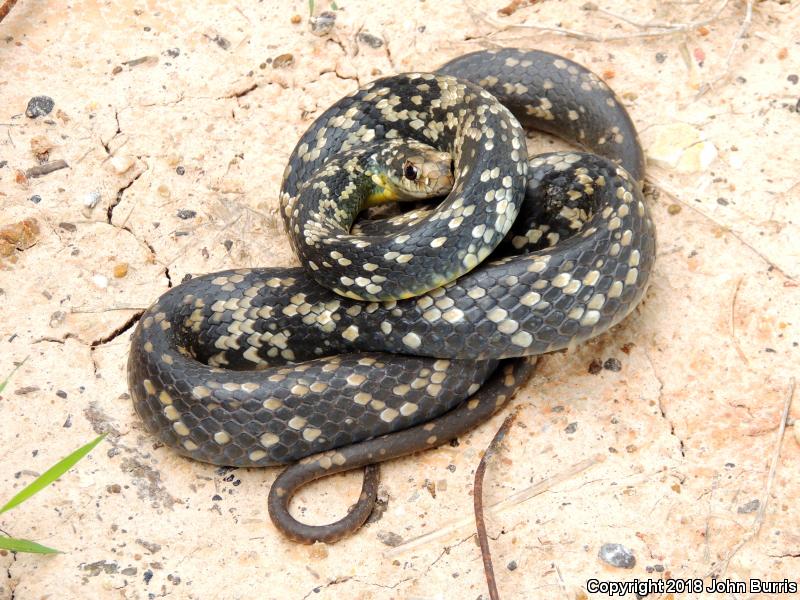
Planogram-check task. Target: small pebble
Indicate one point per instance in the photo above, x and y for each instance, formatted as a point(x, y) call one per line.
point(122, 162)
point(571, 428)
point(91, 199)
point(35, 199)
point(674, 209)
point(296, 19)
point(612, 364)
point(163, 191)
point(749, 507)
point(114, 488)
point(180, 170)
point(148, 575)
point(512, 566)
point(173, 52)
point(39, 106)
point(660, 57)
point(323, 24)
point(120, 270)
point(228, 244)
point(370, 40)
point(186, 214)
point(100, 281)
point(617, 555)
point(595, 366)
point(390, 538)
point(283, 61)
point(793, 79)
point(221, 42)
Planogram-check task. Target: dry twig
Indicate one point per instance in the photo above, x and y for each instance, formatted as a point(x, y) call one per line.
point(496, 508)
point(477, 495)
point(762, 509)
point(748, 18)
point(652, 29)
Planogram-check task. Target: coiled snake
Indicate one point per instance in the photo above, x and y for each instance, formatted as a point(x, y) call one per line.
point(421, 337)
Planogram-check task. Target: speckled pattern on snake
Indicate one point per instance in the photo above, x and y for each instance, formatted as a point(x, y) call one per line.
point(432, 313)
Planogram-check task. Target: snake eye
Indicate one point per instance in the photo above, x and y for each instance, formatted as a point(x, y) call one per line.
point(410, 172)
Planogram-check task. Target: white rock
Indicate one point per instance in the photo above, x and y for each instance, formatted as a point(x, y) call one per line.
point(100, 281)
point(91, 199)
point(681, 147)
point(122, 162)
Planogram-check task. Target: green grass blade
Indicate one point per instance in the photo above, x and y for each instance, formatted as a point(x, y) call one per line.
point(311, 7)
point(53, 473)
point(7, 543)
point(4, 383)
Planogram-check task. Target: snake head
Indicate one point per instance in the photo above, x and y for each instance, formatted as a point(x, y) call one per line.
point(411, 170)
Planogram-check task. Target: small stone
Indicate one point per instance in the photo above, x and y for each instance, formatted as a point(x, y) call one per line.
point(100, 281)
point(66, 226)
point(180, 170)
point(114, 488)
point(129, 571)
point(122, 162)
point(39, 106)
point(221, 42)
point(571, 428)
point(163, 191)
point(148, 575)
point(617, 555)
point(35, 199)
point(216, 497)
point(296, 19)
point(370, 40)
point(120, 270)
point(595, 366)
point(589, 6)
point(612, 364)
point(681, 147)
point(283, 61)
point(186, 214)
point(91, 199)
point(390, 538)
point(512, 566)
point(173, 52)
point(793, 79)
point(116, 70)
point(674, 209)
point(323, 24)
point(661, 57)
point(749, 507)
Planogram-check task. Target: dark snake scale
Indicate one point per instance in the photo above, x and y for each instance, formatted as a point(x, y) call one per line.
point(406, 332)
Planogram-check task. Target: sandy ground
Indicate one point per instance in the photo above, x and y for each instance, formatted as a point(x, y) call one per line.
point(176, 119)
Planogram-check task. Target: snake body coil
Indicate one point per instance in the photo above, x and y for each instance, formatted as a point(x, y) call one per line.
point(417, 319)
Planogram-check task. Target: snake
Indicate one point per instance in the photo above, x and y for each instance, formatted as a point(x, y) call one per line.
point(398, 334)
